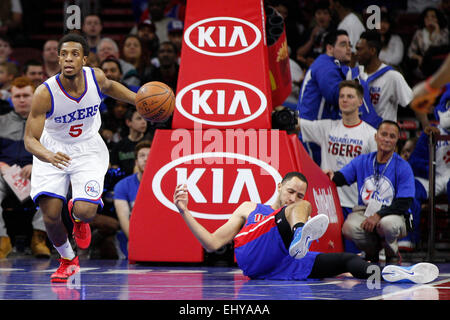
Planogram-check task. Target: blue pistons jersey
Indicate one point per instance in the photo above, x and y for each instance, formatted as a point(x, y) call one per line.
point(261, 253)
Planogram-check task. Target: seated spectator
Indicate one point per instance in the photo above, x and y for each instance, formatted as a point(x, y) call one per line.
point(408, 148)
point(50, 58)
point(135, 53)
point(344, 139)
point(146, 32)
point(113, 127)
point(167, 71)
point(386, 192)
point(34, 70)
point(392, 49)
point(92, 29)
point(432, 32)
point(125, 190)
point(12, 152)
point(5, 50)
point(107, 48)
point(113, 70)
point(8, 71)
point(315, 45)
point(156, 13)
point(175, 31)
point(122, 156)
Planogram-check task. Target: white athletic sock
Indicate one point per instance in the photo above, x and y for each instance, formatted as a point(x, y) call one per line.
point(65, 251)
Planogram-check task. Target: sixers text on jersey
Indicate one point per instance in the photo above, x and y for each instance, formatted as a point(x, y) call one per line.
point(79, 114)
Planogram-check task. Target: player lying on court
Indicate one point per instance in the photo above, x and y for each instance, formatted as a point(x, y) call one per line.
point(272, 242)
point(62, 134)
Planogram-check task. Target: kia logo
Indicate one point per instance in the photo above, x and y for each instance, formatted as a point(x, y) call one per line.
point(222, 36)
point(216, 97)
point(244, 179)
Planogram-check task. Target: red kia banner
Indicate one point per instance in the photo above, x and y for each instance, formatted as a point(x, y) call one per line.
point(222, 169)
point(223, 79)
point(222, 145)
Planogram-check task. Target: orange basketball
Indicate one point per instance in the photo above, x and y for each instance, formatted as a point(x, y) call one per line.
point(155, 101)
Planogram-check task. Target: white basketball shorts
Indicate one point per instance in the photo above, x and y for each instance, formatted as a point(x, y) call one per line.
point(86, 171)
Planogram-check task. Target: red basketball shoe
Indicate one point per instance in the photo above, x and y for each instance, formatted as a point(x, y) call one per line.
point(81, 230)
point(66, 269)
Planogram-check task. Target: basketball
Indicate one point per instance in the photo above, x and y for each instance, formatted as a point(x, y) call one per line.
point(155, 101)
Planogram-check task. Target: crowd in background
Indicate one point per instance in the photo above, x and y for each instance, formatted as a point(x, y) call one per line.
point(151, 52)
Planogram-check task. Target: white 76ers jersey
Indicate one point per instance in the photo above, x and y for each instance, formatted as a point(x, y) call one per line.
point(73, 119)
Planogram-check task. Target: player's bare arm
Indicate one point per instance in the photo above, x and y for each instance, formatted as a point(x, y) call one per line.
point(113, 88)
point(40, 105)
point(123, 213)
point(224, 234)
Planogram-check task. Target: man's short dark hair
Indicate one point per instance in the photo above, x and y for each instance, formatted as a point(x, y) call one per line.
point(169, 43)
point(93, 15)
point(394, 123)
point(31, 62)
point(352, 84)
point(74, 37)
point(293, 174)
point(373, 39)
point(331, 38)
point(111, 59)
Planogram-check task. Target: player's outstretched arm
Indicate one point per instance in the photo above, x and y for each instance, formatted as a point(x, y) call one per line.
point(40, 105)
point(223, 235)
point(113, 88)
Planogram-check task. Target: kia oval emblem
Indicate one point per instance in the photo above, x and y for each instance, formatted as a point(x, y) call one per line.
point(249, 113)
point(158, 179)
point(235, 36)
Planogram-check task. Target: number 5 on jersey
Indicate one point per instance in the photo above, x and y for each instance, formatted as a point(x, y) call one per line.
point(76, 130)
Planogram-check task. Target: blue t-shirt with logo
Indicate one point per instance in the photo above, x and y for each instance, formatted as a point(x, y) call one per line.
point(127, 189)
point(384, 182)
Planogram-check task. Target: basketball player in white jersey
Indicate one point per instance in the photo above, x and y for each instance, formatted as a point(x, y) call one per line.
point(62, 134)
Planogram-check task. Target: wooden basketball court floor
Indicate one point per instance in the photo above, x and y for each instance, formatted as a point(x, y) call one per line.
point(28, 279)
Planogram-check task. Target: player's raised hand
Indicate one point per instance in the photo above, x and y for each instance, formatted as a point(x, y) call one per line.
point(180, 197)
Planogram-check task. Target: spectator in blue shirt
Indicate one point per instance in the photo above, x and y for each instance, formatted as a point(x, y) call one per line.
point(386, 191)
point(125, 190)
point(319, 93)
